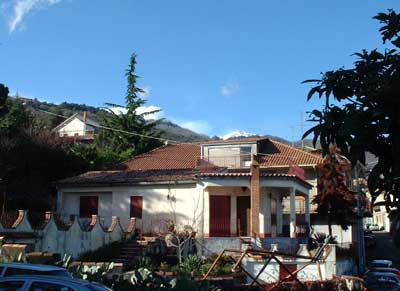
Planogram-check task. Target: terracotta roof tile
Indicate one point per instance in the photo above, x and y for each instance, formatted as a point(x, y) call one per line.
point(264, 175)
point(186, 156)
point(280, 155)
point(180, 161)
point(172, 156)
point(127, 177)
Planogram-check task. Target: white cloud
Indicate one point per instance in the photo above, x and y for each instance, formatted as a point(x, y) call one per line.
point(150, 108)
point(229, 89)
point(199, 126)
point(18, 9)
point(142, 110)
point(146, 92)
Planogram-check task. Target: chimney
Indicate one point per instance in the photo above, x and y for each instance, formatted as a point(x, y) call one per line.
point(255, 198)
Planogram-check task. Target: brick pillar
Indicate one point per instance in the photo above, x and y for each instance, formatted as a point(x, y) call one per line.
point(255, 197)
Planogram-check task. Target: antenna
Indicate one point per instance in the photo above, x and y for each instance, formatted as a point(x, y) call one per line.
point(299, 126)
point(302, 128)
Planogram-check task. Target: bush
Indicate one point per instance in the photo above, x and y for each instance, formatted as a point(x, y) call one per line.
point(192, 264)
point(223, 267)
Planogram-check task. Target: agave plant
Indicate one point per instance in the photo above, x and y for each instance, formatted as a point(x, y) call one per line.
point(96, 273)
point(65, 262)
point(192, 263)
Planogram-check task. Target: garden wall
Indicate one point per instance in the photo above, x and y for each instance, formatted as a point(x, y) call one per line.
point(47, 233)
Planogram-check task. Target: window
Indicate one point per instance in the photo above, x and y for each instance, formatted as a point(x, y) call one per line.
point(11, 285)
point(136, 206)
point(245, 154)
point(88, 206)
point(44, 286)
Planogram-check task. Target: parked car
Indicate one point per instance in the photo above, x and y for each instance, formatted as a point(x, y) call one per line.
point(46, 283)
point(380, 264)
point(385, 270)
point(367, 231)
point(13, 269)
point(382, 281)
point(374, 227)
point(370, 241)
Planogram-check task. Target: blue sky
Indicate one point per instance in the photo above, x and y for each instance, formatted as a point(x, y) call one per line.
point(212, 66)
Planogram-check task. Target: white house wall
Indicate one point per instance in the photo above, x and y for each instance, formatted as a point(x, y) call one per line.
point(75, 126)
point(182, 203)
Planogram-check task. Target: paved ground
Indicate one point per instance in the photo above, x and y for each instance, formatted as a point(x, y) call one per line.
point(384, 250)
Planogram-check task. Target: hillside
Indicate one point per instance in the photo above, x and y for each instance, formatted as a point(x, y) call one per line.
point(170, 130)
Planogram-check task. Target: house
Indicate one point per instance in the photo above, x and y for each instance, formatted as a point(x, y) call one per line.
point(79, 127)
point(225, 189)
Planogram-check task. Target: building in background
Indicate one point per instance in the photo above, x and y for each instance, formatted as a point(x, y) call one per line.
point(78, 127)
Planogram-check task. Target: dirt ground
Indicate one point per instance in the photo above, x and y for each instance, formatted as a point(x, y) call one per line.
point(384, 249)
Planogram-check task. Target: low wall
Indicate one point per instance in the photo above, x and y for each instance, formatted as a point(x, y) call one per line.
point(53, 235)
point(325, 269)
point(215, 245)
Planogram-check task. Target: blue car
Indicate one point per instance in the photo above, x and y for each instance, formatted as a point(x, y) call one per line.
point(48, 283)
point(12, 269)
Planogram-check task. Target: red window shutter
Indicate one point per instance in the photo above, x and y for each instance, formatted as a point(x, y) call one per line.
point(136, 206)
point(220, 216)
point(88, 206)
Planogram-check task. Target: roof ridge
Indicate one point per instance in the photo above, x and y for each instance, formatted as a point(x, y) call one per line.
point(65, 121)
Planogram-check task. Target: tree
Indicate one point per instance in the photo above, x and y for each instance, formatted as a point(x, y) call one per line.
point(335, 200)
point(362, 112)
point(181, 238)
point(13, 117)
point(31, 159)
point(129, 120)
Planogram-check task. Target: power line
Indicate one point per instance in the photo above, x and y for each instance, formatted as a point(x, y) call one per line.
point(115, 129)
point(161, 139)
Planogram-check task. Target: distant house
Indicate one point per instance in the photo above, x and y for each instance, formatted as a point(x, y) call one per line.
point(226, 189)
point(78, 126)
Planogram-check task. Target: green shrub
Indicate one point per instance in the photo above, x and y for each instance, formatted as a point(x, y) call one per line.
point(223, 267)
point(192, 263)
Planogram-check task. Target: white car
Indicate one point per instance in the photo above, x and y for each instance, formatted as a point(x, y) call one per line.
point(374, 227)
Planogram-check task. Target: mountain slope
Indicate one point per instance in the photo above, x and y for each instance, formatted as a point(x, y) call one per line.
point(170, 130)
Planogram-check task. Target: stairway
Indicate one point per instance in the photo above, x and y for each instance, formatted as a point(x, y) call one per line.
point(133, 249)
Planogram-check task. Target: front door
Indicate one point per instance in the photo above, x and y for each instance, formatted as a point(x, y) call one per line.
point(220, 216)
point(243, 215)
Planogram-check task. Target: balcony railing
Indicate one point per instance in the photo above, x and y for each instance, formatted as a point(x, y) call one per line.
point(239, 161)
